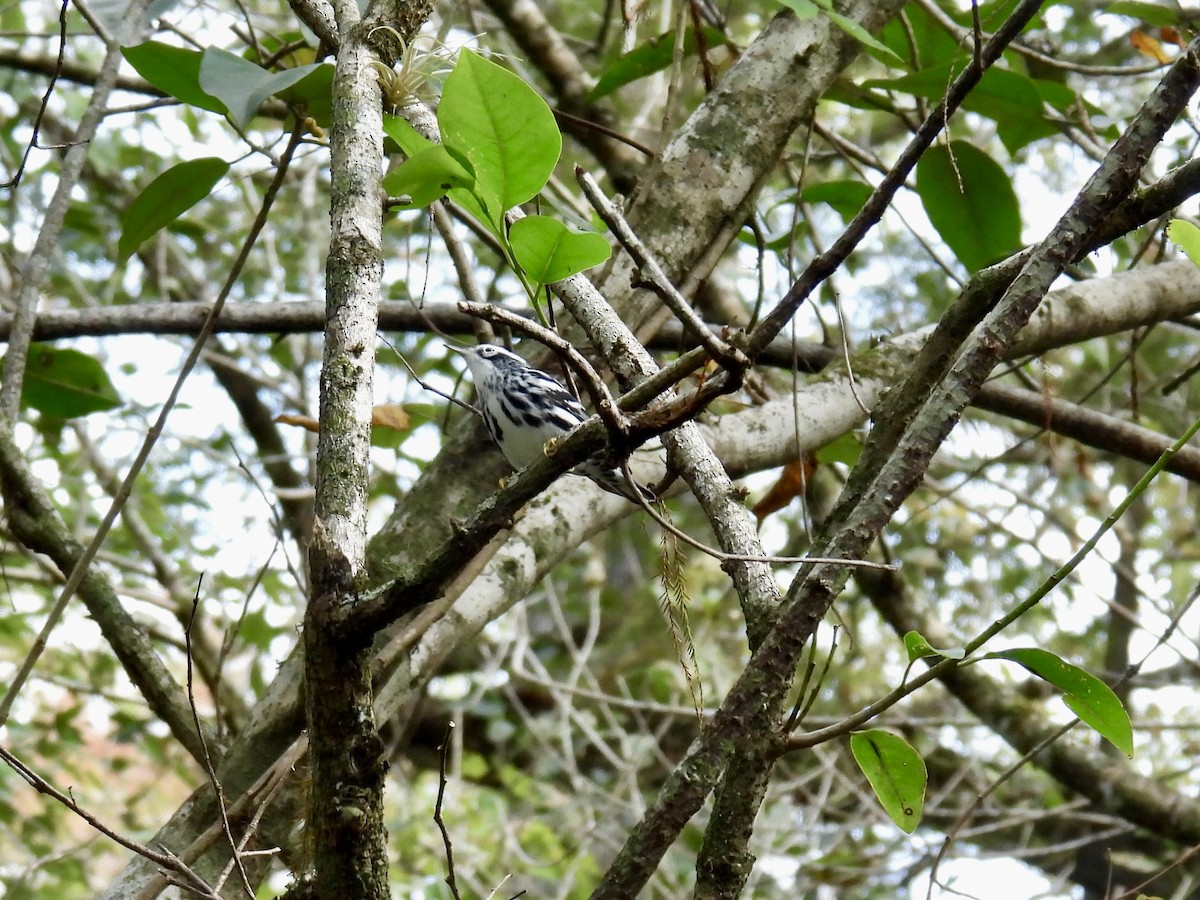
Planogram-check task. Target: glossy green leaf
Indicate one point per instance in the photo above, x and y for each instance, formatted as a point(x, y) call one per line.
point(314, 92)
point(428, 176)
point(846, 197)
point(112, 14)
point(806, 9)
point(970, 202)
point(1059, 95)
point(918, 647)
point(1151, 13)
point(860, 34)
point(174, 70)
point(12, 19)
point(1186, 236)
point(408, 139)
point(844, 449)
point(242, 85)
point(1085, 694)
point(1012, 100)
point(166, 198)
point(411, 143)
point(65, 383)
point(648, 58)
point(919, 38)
point(803, 9)
point(502, 129)
point(896, 773)
point(548, 251)
point(1016, 105)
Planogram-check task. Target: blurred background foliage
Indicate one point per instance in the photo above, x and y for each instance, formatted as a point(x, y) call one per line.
point(572, 708)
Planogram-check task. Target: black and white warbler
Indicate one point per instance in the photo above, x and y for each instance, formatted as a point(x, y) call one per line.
point(523, 408)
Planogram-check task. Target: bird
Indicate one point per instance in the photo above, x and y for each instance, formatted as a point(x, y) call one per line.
point(523, 408)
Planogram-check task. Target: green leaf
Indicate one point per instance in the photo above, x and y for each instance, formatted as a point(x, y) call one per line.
point(428, 176)
point(408, 139)
point(65, 383)
point(548, 251)
point(804, 9)
point(1152, 13)
point(859, 33)
point(846, 197)
point(918, 647)
point(12, 19)
point(1012, 100)
point(1058, 95)
point(970, 202)
point(469, 200)
point(254, 629)
point(112, 14)
point(242, 85)
point(896, 773)
point(844, 449)
point(174, 70)
point(1186, 236)
point(166, 198)
point(648, 58)
point(502, 129)
point(411, 142)
point(1085, 694)
point(314, 92)
point(919, 38)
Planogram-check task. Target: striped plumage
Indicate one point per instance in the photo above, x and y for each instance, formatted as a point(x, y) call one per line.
point(523, 408)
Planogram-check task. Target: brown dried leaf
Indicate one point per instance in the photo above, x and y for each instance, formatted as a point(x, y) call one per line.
point(305, 422)
point(390, 415)
point(1148, 46)
point(791, 484)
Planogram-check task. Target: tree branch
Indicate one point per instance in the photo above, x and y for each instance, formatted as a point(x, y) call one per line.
point(887, 472)
point(348, 835)
point(1094, 429)
point(38, 526)
point(1110, 783)
point(37, 264)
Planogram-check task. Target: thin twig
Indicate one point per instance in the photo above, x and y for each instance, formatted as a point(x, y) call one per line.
point(728, 355)
point(1137, 891)
point(961, 822)
point(851, 378)
point(463, 265)
point(1000, 780)
point(943, 666)
point(746, 557)
point(268, 784)
point(118, 501)
point(169, 861)
point(218, 790)
point(425, 386)
point(36, 266)
point(1057, 61)
point(805, 698)
point(822, 266)
point(443, 752)
point(579, 122)
point(41, 113)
